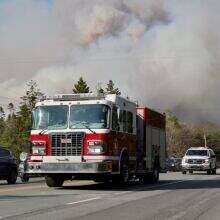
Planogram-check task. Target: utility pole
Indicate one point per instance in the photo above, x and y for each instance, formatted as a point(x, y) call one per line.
point(205, 139)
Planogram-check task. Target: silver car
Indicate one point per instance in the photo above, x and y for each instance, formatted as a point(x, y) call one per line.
point(199, 159)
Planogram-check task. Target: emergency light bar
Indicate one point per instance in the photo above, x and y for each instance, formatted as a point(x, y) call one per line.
point(75, 97)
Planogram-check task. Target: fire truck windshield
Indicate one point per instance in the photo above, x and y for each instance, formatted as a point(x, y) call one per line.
point(93, 115)
point(50, 117)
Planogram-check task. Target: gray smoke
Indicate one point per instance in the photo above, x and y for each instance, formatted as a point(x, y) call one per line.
point(162, 53)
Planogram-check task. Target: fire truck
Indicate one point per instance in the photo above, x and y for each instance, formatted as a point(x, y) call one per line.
point(96, 137)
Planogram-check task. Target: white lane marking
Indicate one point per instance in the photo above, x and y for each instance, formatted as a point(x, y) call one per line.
point(82, 201)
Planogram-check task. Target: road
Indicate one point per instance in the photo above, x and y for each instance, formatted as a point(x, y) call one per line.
point(176, 196)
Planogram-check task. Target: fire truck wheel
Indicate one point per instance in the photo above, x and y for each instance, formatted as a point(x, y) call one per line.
point(123, 177)
point(54, 181)
point(152, 177)
point(124, 170)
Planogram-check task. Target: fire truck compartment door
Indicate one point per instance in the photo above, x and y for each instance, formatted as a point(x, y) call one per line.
point(62, 159)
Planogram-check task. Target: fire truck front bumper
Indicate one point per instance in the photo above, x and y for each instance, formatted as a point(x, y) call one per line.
point(69, 168)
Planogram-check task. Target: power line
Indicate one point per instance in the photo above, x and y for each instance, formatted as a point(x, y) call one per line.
point(130, 56)
point(9, 98)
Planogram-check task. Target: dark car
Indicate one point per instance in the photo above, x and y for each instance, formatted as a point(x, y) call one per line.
point(8, 166)
point(173, 164)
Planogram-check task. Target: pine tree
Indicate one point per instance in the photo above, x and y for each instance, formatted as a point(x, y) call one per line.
point(110, 89)
point(99, 89)
point(23, 118)
point(31, 96)
point(11, 108)
point(81, 86)
point(2, 112)
point(2, 120)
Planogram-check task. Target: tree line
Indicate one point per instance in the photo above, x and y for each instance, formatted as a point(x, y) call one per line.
point(15, 126)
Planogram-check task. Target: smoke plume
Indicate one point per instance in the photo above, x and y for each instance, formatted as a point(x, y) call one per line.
point(162, 53)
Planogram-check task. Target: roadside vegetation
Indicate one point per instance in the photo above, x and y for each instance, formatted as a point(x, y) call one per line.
point(15, 126)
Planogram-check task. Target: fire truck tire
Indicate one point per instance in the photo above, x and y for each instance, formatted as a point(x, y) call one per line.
point(123, 177)
point(54, 181)
point(152, 177)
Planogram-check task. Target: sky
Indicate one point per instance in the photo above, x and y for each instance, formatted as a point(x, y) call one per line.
point(162, 53)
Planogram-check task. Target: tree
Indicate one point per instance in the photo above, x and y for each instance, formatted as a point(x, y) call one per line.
point(11, 108)
point(2, 121)
point(99, 89)
point(23, 117)
point(81, 86)
point(31, 96)
point(2, 112)
point(110, 89)
point(17, 128)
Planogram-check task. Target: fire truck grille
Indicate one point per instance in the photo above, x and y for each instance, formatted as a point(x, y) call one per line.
point(69, 144)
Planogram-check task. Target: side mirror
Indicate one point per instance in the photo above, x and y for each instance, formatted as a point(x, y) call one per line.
point(118, 113)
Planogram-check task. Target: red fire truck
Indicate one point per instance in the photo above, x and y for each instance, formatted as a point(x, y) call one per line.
point(98, 137)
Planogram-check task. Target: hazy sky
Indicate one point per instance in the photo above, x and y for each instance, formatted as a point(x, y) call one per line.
point(164, 53)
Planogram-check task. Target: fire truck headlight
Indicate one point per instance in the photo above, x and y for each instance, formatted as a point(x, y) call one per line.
point(96, 147)
point(39, 147)
point(38, 150)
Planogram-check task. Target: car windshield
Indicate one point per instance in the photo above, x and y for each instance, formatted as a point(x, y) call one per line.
point(197, 153)
point(90, 116)
point(50, 117)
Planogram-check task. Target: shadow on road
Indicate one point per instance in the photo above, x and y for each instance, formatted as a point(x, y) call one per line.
point(161, 185)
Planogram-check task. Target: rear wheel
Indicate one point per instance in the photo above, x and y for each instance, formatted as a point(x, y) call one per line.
point(191, 171)
point(151, 177)
point(154, 177)
point(184, 172)
point(214, 171)
point(12, 178)
point(54, 181)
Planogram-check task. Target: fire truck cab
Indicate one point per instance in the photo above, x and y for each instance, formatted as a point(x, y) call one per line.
point(98, 137)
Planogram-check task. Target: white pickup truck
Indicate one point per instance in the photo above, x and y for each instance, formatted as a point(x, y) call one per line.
point(199, 159)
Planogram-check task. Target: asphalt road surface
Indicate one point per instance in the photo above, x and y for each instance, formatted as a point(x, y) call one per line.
point(176, 196)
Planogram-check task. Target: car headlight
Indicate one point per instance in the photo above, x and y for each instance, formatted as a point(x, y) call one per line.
point(96, 147)
point(207, 160)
